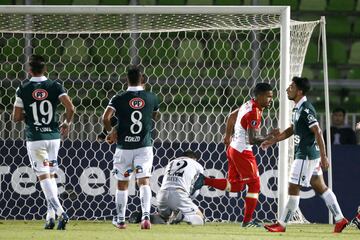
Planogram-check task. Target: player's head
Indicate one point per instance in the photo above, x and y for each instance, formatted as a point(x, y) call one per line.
point(134, 76)
point(338, 116)
point(298, 88)
point(37, 65)
point(263, 94)
point(190, 154)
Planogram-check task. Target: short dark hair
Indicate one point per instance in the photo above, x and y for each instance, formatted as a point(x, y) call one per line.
point(134, 75)
point(37, 64)
point(302, 83)
point(261, 88)
point(339, 109)
point(190, 154)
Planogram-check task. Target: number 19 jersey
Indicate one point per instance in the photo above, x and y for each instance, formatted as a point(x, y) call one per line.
point(39, 98)
point(134, 110)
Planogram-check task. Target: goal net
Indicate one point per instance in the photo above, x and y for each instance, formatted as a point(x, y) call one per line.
point(201, 66)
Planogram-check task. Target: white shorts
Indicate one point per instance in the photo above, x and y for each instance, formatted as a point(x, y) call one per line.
point(128, 161)
point(175, 199)
point(302, 171)
point(43, 156)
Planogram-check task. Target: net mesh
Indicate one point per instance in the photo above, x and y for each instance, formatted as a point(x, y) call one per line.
point(200, 66)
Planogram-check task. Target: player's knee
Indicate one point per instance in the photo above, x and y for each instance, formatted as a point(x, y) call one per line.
point(254, 187)
point(143, 181)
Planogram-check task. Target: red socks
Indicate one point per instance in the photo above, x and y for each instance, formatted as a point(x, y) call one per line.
point(250, 205)
point(221, 184)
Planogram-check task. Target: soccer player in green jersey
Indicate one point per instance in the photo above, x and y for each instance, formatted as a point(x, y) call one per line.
point(310, 157)
point(36, 102)
point(135, 110)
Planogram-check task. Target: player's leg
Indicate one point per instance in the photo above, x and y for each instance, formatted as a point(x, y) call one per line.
point(163, 204)
point(300, 175)
point(246, 167)
point(122, 170)
point(318, 184)
point(53, 150)
point(39, 158)
point(231, 184)
point(188, 211)
point(143, 160)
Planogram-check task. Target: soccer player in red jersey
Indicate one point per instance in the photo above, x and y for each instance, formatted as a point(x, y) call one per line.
point(242, 131)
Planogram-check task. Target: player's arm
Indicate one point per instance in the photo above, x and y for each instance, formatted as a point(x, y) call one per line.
point(111, 133)
point(156, 115)
point(278, 137)
point(321, 143)
point(18, 114)
point(230, 123)
point(68, 115)
point(18, 111)
point(256, 138)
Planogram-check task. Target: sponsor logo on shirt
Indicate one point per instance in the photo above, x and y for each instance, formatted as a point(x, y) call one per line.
point(40, 94)
point(137, 103)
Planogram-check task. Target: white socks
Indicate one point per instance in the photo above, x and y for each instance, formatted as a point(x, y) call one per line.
point(194, 219)
point(51, 195)
point(50, 209)
point(121, 199)
point(291, 206)
point(332, 204)
point(145, 198)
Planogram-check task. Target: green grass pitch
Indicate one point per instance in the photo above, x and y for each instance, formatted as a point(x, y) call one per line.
point(86, 230)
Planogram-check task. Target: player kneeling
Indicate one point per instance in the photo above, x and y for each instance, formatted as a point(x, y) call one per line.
point(174, 201)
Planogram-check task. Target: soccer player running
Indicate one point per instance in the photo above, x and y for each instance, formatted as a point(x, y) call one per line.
point(36, 102)
point(242, 131)
point(310, 157)
point(134, 110)
point(174, 194)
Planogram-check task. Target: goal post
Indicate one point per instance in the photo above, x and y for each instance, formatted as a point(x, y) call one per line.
point(202, 62)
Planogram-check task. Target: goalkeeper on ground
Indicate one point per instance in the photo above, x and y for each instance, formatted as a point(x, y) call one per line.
point(174, 201)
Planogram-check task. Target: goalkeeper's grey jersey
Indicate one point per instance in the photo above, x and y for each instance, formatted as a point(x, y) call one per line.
point(180, 173)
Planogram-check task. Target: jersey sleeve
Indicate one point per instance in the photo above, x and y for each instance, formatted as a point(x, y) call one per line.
point(251, 120)
point(309, 117)
point(60, 90)
point(18, 100)
point(112, 104)
point(156, 103)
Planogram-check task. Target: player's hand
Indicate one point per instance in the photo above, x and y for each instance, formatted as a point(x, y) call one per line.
point(64, 128)
point(357, 128)
point(112, 137)
point(266, 144)
point(324, 162)
point(227, 140)
point(101, 137)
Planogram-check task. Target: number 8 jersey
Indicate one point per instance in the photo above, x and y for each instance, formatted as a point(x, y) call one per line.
point(134, 110)
point(39, 97)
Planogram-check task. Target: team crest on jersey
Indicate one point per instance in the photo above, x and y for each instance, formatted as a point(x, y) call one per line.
point(311, 118)
point(40, 94)
point(137, 103)
point(253, 123)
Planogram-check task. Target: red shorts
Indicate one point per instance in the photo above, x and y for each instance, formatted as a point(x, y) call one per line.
point(241, 166)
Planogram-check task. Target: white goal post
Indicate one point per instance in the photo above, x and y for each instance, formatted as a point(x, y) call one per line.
point(202, 61)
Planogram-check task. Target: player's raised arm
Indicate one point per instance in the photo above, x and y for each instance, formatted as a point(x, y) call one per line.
point(68, 115)
point(230, 123)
